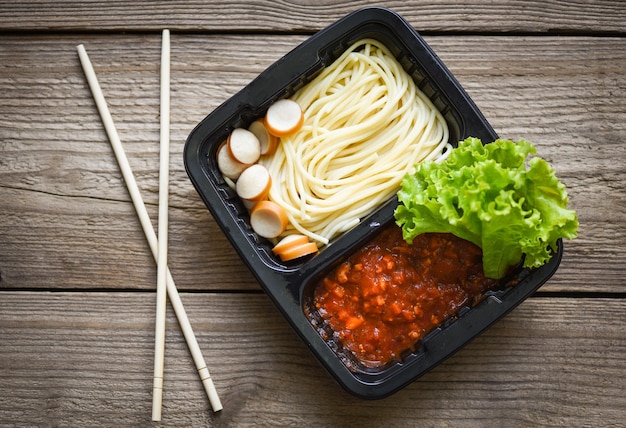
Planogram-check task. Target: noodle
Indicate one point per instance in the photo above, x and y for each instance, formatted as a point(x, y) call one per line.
point(366, 124)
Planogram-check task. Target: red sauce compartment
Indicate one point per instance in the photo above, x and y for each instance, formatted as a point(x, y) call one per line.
point(377, 306)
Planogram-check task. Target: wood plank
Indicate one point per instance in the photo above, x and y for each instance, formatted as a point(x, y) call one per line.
point(56, 242)
point(66, 219)
point(598, 16)
point(85, 359)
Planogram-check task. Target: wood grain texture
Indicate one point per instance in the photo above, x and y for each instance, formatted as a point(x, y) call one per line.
point(597, 16)
point(66, 220)
point(550, 362)
point(77, 279)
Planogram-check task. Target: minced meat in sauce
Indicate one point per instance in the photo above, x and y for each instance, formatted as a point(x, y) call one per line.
point(389, 294)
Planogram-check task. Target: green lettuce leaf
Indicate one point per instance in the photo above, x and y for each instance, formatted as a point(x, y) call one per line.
point(493, 196)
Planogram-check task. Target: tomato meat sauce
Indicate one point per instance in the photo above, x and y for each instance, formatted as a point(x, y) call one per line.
point(388, 295)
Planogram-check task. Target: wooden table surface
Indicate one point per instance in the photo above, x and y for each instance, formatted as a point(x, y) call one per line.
point(77, 279)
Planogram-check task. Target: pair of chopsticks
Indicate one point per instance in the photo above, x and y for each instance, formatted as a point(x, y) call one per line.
point(165, 282)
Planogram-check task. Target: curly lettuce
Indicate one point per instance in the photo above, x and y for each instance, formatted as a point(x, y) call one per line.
point(493, 196)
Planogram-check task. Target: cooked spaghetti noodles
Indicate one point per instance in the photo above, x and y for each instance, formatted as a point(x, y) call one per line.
point(366, 124)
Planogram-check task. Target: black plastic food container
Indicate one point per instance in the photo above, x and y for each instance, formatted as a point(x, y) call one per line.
point(290, 285)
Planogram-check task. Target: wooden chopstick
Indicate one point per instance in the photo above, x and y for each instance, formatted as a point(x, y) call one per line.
point(146, 225)
point(159, 334)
